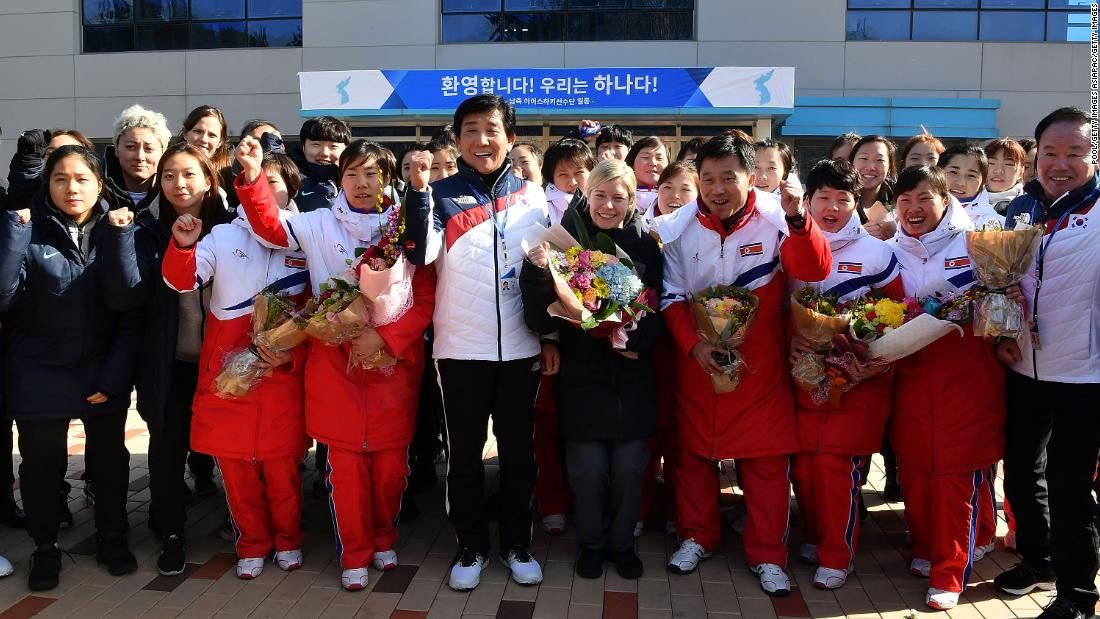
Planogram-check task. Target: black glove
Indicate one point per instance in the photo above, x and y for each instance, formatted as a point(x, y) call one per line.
point(271, 143)
point(33, 143)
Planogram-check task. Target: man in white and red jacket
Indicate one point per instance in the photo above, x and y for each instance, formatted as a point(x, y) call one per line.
point(742, 237)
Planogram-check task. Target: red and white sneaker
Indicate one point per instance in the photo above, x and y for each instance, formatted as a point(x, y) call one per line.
point(384, 561)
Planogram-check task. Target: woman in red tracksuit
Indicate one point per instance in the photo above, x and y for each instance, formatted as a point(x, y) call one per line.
point(836, 441)
point(948, 417)
point(366, 417)
point(260, 438)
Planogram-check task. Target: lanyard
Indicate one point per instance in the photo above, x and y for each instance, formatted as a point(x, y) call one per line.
point(488, 204)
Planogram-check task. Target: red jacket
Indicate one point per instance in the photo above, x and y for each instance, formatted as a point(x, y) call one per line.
point(757, 419)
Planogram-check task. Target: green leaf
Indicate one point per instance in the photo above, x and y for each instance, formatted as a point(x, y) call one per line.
point(582, 230)
point(359, 251)
point(642, 307)
point(626, 262)
point(589, 323)
point(605, 244)
point(630, 312)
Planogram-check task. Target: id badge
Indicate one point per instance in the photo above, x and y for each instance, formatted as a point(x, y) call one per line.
point(509, 283)
point(1036, 341)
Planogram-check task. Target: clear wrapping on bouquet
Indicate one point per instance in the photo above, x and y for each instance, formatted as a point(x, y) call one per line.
point(1001, 258)
point(339, 314)
point(721, 330)
point(388, 295)
point(276, 327)
point(810, 370)
point(238, 375)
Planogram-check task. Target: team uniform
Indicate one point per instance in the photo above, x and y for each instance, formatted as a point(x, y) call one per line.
point(947, 395)
point(365, 417)
point(755, 423)
point(836, 442)
point(981, 212)
point(260, 438)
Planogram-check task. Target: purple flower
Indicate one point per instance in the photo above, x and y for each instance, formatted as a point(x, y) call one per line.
point(580, 282)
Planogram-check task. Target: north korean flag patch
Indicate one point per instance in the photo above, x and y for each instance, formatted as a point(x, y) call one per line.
point(294, 263)
point(951, 264)
point(850, 267)
point(752, 249)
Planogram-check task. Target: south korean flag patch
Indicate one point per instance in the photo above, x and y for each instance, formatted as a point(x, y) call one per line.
point(1079, 222)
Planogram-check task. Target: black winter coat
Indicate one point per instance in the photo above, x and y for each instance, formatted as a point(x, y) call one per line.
point(320, 184)
point(68, 330)
point(159, 310)
point(601, 394)
point(116, 185)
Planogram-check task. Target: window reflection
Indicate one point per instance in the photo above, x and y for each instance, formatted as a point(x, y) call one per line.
point(472, 21)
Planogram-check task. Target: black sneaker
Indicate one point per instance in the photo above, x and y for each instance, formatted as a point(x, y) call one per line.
point(45, 568)
point(89, 492)
point(320, 489)
point(590, 563)
point(205, 486)
point(113, 551)
point(226, 531)
point(1064, 608)
point(11, 514)
point(64, 514)
point(891, 492)
point(627, 564)
point(173, 557)
point(1025, 577)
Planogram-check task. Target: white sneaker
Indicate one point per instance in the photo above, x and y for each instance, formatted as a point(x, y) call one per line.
point(687, 557)
point(247, 569)
point(940, 599)
point(828, 578)
point(5, 567)
point(466, 572)
point(920, 567)
point(773, 580)
point(289, 560)
point(981, 551)
point(808, 553)
point(554, 524)
point(670, 527)
point(384, 561)
point(525, 570)
point(354, 579)
point(639, 528)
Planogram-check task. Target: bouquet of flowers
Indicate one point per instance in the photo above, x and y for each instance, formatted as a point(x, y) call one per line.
point(277, 327)
point(338, 314)
point(1001, 258)
point(958, 309)
point(723, 315)
point(894, 330)
point(817, 318)
point(385, 284)
point(597, 289)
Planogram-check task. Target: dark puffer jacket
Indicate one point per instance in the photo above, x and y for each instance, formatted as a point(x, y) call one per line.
point(67, 328)
point(601, 394)
point(320, 183)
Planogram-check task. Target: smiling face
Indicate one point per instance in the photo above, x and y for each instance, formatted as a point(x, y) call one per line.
point(183, 183)
point(921, 153)
point(612, 150)
point(323, 152)
point(1004, 172)
point(609, 203)
point(1064, 160)
point(139, 152)
point(206, 135)
point(483, 141)
point(769, 169)
point(831, 208)
point(570, 177)
point(963, 174)
point(1029, 165)
point(872, 162)
point(920, 210)
point(362, 184)
point(725, 185)
point(525, 164)
point(278, 187)
point(443, 165)
point(649, 164)
point(675, 192)
point(74, 188)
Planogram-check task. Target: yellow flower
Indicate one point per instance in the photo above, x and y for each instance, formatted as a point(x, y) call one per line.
point(573, 252)
point(602, 289)
point(890, 313)
point(580, 297)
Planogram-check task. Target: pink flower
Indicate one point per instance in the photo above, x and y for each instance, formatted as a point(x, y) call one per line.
point(585, 259)
point(580, 281)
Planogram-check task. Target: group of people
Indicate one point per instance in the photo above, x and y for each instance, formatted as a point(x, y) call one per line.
point(140, 270)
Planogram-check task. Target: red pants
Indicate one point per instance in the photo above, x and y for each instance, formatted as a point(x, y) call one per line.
point(987, 513)
point(943, 512)
point(365, 491)
point(827, 488)
point(767, 486)
point(551, 490)
point(265, 504)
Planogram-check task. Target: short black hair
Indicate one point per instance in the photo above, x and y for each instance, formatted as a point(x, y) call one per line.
point(1027, 144)
point(648, 141)
point(532, 148)
point(843, 139)
point(73, 150)
point(614, 133)
point(573, 151)
point(382, 157)
point(256, 123)
point(412, 148)
point(691, 146)
point(486, 103)
point(438, 145)
point(967, 150)
point(835, 174)
point(286, 168)
point(916, 174)
point(1061, 115)
point(722, 146)
point(785, 154)
point(325, 129)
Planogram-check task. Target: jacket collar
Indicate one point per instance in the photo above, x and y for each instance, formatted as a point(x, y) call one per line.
point(316, 171)
point(1058, 206)
point(742, 217)
point(850, 233)
point(955, 221)
point(366, 227)
point(115, 184)
point(473, 178)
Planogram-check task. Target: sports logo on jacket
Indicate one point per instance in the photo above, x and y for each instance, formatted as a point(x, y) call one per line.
point(752, 249)
point(962, 262)
point(294, 263)
point(854, 268)
point(240, 253)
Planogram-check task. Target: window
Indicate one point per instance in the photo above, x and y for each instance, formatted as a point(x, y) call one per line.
point(136, 25)
point(968, 20)
point(481, 21)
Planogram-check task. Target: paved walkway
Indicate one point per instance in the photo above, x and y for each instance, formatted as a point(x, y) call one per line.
point(722, 588)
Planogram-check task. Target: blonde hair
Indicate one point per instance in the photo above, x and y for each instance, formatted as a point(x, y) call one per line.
point(613, 170)
point(137, 116)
